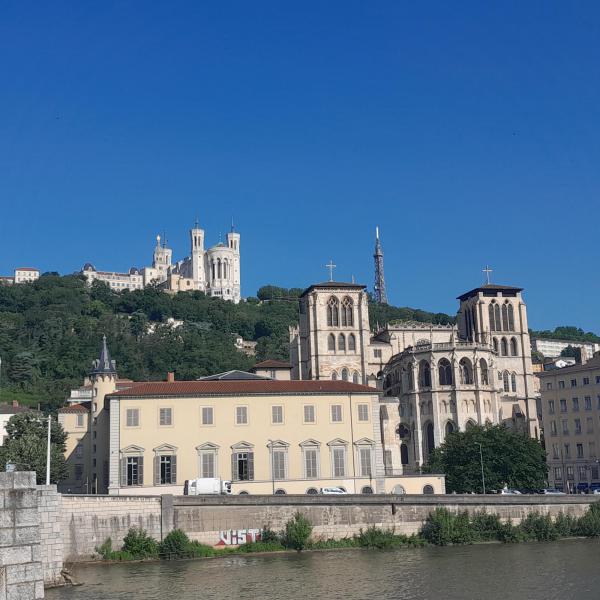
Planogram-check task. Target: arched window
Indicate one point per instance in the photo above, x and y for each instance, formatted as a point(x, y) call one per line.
point(219, 271)
point(492, 318)
point(505, 381)
point(483, 368)
point(398, 490)
point(495, 342)
point(280, 492)
point(504, 347)
point(424, 374)
point(449, 427)
point(505, 317)
point(513, 347)
point(470, 423)
point(404, 454)
point(429, 439)
point(351, 343)
point(511, 318)
point(342, 342)
point(225, 269)
point(334, 376)
point(347, 312)
point(466, 371)
point(355, 377)
point(331, 342)
point(513, 382)
point(213, 269)
point(367, 490)
point(333, 312)
point(445, 372)
point(474, 320)
point(312, 491)
point(345, 374)
point(428, 489)
point(497, 317)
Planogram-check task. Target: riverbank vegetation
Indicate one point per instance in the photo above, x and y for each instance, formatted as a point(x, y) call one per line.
point(442, 528)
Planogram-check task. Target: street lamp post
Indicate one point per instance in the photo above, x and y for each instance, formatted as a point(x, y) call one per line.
point(482, 472)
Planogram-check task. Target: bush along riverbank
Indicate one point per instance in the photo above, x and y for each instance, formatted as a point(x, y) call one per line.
point(441, 528)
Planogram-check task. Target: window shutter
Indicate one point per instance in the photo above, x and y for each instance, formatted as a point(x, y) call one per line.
point(234, 474)
point(251, 466)
point(141, 470)
point(174, 469)
point(156, 470)
point(123, 472)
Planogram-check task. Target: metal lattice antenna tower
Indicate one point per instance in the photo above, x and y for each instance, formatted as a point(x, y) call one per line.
point(380, 294)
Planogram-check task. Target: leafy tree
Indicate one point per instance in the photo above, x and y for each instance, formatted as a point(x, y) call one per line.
point(297, 532)
point(26, 446)
point(509, 458)
point(571, 352)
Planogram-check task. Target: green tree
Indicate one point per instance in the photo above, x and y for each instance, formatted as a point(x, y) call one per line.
point(509, 458)
point(26, 446)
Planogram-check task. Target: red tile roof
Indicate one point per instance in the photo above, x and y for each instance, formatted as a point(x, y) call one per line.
point(246, 387)
point(26, 269)
point(272, 364)
point(74, 408)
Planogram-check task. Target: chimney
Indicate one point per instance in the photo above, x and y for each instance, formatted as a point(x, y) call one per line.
point(15, 403)
point(170, 377)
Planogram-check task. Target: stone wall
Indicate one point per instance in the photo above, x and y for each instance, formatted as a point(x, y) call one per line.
point(49, 504)
point(20, 551)
point(88, 520)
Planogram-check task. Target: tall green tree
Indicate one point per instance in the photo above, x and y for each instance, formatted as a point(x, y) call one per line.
point(26, 446)
point(509, 458)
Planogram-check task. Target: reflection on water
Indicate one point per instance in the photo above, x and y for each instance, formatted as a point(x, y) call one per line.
point(534, 571)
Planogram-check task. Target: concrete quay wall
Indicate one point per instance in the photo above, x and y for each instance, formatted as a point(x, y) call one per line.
point(222, 520)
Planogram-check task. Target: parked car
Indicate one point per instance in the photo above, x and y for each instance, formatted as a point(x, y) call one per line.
point(333, 490)
point(509, 491)
point(553, 492)
point(596, 492)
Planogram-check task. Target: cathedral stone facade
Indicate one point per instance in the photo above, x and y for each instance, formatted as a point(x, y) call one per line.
point(433, 379)
point(214, 271)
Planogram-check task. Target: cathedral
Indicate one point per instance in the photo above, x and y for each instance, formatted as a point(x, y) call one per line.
point(434, 379)
point(214, 271)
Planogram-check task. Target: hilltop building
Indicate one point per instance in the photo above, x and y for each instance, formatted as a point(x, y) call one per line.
point(551, 348)
point(214, 271)
point(21, 275)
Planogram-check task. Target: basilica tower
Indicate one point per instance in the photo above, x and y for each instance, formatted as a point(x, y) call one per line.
point(197, 257)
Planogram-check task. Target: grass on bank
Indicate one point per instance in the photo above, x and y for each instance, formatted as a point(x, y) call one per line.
point(441, 528)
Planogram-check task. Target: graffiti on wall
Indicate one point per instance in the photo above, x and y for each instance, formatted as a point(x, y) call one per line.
point(234, 537)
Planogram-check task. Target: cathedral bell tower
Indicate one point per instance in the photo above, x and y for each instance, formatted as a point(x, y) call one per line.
point(197, 256)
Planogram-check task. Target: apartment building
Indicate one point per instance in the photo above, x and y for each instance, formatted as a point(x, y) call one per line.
point(570, 402)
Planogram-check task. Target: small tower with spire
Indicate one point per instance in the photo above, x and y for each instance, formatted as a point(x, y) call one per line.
point(103, 377)
point(380, 293)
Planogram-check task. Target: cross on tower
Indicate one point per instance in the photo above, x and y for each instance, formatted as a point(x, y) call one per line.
point(331, 267)
point(487, 272)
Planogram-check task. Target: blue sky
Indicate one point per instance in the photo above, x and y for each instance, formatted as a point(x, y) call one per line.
point(469, 133)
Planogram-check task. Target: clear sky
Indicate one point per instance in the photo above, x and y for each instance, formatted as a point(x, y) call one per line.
point(469, 132)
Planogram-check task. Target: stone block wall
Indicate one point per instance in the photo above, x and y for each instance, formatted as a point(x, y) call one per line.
point(51, 535)
point(87, 521)
point(21, 575)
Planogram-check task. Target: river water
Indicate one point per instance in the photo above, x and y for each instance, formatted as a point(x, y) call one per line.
point(567, 569)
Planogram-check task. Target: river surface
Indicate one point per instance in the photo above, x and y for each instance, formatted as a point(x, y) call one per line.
point(566, 569)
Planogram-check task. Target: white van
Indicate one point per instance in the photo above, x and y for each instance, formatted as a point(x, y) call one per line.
point(333, 490)
point(206, 485)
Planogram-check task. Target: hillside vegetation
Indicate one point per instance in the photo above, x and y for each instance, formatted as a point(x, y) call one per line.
point(50, 331)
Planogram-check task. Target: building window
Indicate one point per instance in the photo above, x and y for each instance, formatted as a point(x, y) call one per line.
point(575, 404)
point(134, 470)
point(241, 415)
point(557, 473)
point(589, 425)
point(333, 312)
point(586, 381)
point(342, 342)
point(79, 420)
point(207, 415)
point(563, 405)
point(565, 427)
point(208, 463)
point(336, 413)
point(570, 473)
point(166, 469)
point(165, 416)
point(573, 383)
point(351, 343)
point(363, 412)
point(344, 374)
point(582, 470)
point(79, 450)
point(277, 415)
point(309, 413)
point(549, 386)
point(331, 342)
point(555, 451)
point(506, 381)
point(592, 449)
point(78, 472)
point(597, 378)
point(483, 368)
point(567, 451)
point(513, 347)
point(579, 450)
point(338, 457)
point(588, 403)
point(445, 372)
point(577, 426)
point(551, 407)
point(311, 463)
point(513, 382)
point(347, 312)
point(561, 385)
point(132, 418)
point(504, 347)
point(355, 377)
point(242, 466)
point(377, 353)
point(364, 461)
point(279, 458)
